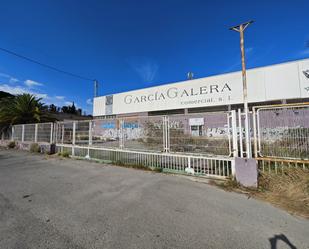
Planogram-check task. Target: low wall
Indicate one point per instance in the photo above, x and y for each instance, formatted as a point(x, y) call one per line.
point(44, 147)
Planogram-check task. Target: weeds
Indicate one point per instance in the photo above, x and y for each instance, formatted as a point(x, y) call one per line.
point(35, 148)
point(11, 145)
point(289, 190)
point(136, 166)
point(64, 154)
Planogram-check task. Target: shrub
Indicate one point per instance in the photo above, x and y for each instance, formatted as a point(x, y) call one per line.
point(11, 145)
point(64, 154)
point(35, 148)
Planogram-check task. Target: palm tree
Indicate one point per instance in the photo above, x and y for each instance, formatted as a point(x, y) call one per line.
point(22, 109)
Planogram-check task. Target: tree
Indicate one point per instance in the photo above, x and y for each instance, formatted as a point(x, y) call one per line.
point(5, 95)
point(71, 109)
point(65, 109)
point(52, 108)
point(22, 109)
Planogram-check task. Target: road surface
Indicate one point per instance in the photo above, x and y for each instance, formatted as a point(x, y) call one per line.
point(54, 203)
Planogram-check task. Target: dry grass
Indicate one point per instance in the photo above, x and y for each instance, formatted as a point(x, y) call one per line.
point(289, 191)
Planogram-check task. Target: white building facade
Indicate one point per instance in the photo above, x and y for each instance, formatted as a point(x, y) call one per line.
point(286, 82)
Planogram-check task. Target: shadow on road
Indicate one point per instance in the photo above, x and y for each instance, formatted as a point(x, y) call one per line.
point(282, 237)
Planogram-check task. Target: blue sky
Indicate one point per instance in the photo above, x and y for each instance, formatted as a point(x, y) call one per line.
point(134, 44)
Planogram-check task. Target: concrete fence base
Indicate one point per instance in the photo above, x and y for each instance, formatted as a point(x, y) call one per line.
point(44, 147)
point(246, 172)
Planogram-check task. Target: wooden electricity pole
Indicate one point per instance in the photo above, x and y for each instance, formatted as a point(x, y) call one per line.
point(241, 28)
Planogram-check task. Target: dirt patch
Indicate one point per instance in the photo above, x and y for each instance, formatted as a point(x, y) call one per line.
point(289, 190)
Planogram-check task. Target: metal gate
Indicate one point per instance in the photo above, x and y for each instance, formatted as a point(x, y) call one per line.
point(281, 136)
point(210, 134)
point(282, 131)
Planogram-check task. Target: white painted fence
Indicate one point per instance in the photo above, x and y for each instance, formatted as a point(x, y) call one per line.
point(217, 167)
point(280, 138)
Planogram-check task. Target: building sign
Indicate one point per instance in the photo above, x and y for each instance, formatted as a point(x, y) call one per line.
point(175, 92)
point(187, 94)
point(277, 82)
point(196, 121)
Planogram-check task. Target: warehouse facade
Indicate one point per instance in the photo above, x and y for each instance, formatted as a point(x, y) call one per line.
point(286, 82)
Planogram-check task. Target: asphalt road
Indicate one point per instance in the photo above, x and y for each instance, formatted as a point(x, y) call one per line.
point(53, 203)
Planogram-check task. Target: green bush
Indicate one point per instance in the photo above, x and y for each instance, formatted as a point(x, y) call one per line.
point(64, 154)
point(35, 148)
point(11, 145)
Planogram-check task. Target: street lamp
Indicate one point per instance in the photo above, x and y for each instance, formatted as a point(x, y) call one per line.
point(241, 28)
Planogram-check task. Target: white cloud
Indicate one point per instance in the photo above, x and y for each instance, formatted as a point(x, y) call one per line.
point(20, 90)
point(13, 80)
point(9, 77)
point(13, 89)
point(68, 103)
point(236, 65)
point(31, 83)
point(145, 67)
point(248, 50)
point(89, 101)
point(305, 52)
point(43, 96)
point(4, 75)
point(46, 99)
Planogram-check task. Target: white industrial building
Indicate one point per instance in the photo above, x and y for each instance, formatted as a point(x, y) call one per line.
point(285, 82)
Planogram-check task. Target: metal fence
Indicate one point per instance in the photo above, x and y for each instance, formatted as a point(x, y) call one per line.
point(279, 166)
point(210, 134)
point(36, 133)
point(178, 163)
point(282, 132)
point(202, 142)
point(280, 138)
point(204, 133)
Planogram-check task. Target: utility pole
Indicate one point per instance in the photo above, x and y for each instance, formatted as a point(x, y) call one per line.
point(241, 28)
point(96, 88)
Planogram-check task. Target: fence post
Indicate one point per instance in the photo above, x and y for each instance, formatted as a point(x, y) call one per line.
point(51, 133)
point(165, 128)
point(12, 135)
point(233, 168)
point(23, 133)
point(254, 133)
point(240, 133)
point(90, 133)
point(163, 133)
point(234, 134)
point(121, 137)
point(62, 133)
point(73, 138)
point(167, 133)
point(36, 133)
point(55, 132)
point(248, 136)
point(89, 139)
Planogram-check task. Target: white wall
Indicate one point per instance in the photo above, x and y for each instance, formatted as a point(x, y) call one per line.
point(281, 81)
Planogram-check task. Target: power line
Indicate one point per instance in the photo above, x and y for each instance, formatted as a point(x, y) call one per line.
point(45, 65)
